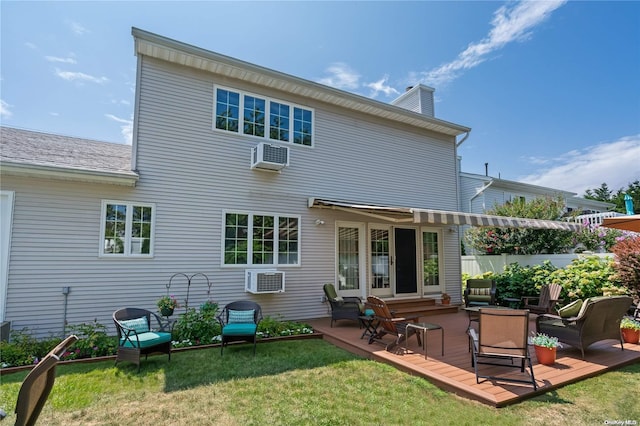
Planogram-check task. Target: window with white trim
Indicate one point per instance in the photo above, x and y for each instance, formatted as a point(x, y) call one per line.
point(260, 116)
point(127, 229)
point(261, 239)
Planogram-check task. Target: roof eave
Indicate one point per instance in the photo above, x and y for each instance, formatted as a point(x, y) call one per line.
point(169, 50)
point(62, 173)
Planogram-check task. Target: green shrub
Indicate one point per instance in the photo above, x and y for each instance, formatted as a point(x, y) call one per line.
point(585, 277)
point(627, 264)
point(273, 327)
point(197, 327)
point(93, 341)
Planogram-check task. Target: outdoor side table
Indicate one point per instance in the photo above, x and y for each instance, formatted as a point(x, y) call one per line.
point(512, 302)
point(424, 327)
point(370, 328)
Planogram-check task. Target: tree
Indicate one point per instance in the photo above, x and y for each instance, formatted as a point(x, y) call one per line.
point(519, 240)
point(605, 194)
point(627, 264)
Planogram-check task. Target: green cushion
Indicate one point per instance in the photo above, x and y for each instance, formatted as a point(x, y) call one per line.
point(239, 329)
point(241, 317)
point(150, 338)
point(583, 308)
point(330, 291)
point(570, 310)
point(140, 325)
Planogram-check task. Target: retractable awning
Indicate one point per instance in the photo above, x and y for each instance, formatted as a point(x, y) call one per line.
point(439, 217)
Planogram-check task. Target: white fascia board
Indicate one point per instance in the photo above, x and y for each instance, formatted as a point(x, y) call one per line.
point(78, 175)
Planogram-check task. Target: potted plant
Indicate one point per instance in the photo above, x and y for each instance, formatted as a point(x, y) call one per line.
point(445, 299)
point(545, 347)
point(166, 305)
point(630, 330)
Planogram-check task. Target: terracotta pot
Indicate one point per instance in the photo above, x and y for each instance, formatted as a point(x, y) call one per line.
point(446, 302)
point(545, 356)
point(630, 336)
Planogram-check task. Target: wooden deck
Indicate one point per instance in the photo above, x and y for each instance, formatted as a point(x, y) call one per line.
point(453, 372)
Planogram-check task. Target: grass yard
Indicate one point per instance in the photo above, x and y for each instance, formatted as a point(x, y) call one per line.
point(303, 382)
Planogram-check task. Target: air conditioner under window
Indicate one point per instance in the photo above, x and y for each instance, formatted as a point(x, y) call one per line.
point(264, 281)
point(269, 157)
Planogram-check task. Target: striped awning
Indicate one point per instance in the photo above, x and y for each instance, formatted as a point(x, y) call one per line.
point(440, 217)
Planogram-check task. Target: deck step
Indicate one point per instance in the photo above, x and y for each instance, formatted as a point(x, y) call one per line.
point(421, 307)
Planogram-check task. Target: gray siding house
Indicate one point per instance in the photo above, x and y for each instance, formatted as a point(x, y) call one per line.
point(266, 184)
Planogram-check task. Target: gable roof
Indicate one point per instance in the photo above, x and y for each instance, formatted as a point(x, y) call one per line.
point(30, 153)
point(159, 47)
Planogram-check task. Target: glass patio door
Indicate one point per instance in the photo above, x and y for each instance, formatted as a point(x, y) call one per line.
point(432, 264)
point(379, 261)
point(350, 267)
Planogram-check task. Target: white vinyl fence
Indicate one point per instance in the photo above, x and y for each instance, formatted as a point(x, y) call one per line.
point(476, 265)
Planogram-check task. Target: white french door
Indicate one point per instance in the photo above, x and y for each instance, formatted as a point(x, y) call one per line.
point(350, 259)
point(432, 261)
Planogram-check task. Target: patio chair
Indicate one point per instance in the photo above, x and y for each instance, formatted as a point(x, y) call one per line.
point(239, 322)
point(480, 293)
point(389, 324)
point(546, 302)
point(37, 385)
point(342, 308)
point(502, 336)
point(140, 332)
point(599, 319)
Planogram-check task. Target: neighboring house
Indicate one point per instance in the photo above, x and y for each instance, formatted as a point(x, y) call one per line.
point(480, 193)
point(234, 170)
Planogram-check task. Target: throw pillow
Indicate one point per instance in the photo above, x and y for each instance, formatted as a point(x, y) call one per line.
point(480, 291)
point(570, 310)
point(140, 325)
point(339, 299)
point(241, 317)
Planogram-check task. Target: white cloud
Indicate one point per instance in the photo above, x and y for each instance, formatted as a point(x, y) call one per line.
point(381, 86)
point(79, 76)
point(126, 128)
point(30, 45)
point(615, 163)
point(77, 28)
point(4, 110)
point(62, 60)
point(341, 77)
point(511, 22)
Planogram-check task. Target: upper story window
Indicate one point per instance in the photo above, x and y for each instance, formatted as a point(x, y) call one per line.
point(258, 239)
point(262, 117)
point(127, 229)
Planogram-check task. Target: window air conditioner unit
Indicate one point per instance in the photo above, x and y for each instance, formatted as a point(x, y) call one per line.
point(269, 157)
point(260, 281)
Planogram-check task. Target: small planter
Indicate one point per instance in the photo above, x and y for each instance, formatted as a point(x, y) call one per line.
point(446, 302)
point(545, 356)
point(629, 335)
point(166, 312)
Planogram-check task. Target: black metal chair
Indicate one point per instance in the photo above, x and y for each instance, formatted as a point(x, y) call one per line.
point(239, 322)
point(140, 332)
point(37, 385)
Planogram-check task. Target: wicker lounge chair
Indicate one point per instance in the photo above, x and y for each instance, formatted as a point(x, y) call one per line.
point(480, 293)
point(239, 322)
point(342, 308)
point(502, 335)
point(599, 319)
point(140, 332)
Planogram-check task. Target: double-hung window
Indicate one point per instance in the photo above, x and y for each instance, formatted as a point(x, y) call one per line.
point(127, 229)
point(254, 115)
point(261, 239)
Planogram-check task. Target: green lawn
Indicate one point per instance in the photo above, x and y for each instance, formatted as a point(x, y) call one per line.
point(303, 382)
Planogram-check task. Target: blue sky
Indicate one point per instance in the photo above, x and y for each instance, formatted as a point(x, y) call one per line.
point(551, 89)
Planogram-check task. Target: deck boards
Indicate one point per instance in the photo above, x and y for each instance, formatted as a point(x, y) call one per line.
point(453, 371)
